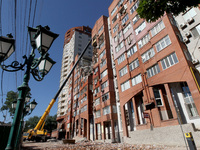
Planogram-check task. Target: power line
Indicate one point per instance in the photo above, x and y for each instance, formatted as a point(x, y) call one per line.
point(34, 13)
point(16, 37)
point(0, 17)
point(28, 25)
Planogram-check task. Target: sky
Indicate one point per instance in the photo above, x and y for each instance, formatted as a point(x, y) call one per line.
point(60, 16)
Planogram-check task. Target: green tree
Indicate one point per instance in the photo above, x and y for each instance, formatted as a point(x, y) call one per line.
point(152, 10)
point(31, 123)
point(11, 96)
point(50, 123)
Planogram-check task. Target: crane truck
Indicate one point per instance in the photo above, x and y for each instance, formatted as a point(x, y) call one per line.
point(39, 133)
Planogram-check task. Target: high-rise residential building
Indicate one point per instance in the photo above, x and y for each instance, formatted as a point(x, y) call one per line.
point(155, 76)
point(104, 106)
point(189, 26)
point(75, 41)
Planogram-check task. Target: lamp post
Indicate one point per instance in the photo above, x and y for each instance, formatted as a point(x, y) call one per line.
point(28, 108)
point(42, 39)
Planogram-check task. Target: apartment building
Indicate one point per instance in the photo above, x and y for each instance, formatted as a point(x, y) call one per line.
point(75, 41)
point(155, 76)
point(104, 106)
point(189, 26)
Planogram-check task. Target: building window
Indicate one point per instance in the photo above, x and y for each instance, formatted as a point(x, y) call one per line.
point(114, 10)
point(137, 79)
point(148, 54)
point(190, 14)
point(140, 28)
point(125, 19)
point(123, 71)
point(104, 85)
point(189, 102)
point(103, 63)
point(125, 85)
point(136, 18)
point(74, 113)
point(157, 96)
point(134, 64)
point(97, 102)
point(97, 113)
point(121, 59)
point(134, 7)
point(116, 38)
point(105, 97)
point(119, 47)
point(153, 70)
point(102, 54)
point(96, 70)
point(169, 61)
point(100, 29)
point(164, 42)
point(126, 28)
point(144, 41)
point(84, 108)
point(157, 28)
point(104, 73)
point(101, 45)
point(115, 28)
point(84, 99)
point(120, 2)
point(106, 110)
point(131, 51)
point(196, 31)
point(114, 19)
point(97, 90)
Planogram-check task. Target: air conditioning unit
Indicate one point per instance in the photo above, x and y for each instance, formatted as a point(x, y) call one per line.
point(188, 34)
point(100, 80)
point(195, 61)
point(186, 40)
point(182, 25)
point(190, 20)
point(102, 90)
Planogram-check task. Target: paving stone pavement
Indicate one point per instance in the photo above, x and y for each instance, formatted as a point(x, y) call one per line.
point(90, 145)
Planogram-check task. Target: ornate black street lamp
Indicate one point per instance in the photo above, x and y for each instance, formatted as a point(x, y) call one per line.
point(42, 39)
point(28, 108)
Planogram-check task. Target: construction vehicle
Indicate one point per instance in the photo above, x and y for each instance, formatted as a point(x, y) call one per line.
point(39, 133)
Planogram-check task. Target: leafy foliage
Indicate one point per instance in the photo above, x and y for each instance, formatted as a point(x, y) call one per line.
point(50, 123)
point(11, 96)
point(152, 10)
point(31, 123)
